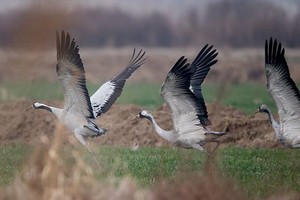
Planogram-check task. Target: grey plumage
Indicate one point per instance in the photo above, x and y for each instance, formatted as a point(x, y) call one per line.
point(285, 94)
point(108, 93)
point(182, 92)
point(80, 110)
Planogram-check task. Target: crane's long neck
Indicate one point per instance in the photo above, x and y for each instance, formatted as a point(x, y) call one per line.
point(56, 111)
point(168, 135)
point(275, 125)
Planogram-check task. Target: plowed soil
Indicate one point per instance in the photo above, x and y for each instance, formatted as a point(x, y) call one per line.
point(19, 125)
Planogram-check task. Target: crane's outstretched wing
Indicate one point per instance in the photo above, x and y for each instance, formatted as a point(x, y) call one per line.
point(203, 62)
point(181, 100)
point(279, 83)
point(70, 72)
point(108, 93)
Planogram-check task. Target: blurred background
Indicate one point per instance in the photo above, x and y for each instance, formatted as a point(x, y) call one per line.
point(159, 23)
point(107, 32)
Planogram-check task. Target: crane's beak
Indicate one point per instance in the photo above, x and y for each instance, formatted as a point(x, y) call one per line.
point(257, 111)
point(29, 107)
point(135, 117)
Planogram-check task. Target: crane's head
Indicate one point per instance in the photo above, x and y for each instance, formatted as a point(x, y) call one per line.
point(143, 114)
point(263, 108)
point(37, 105)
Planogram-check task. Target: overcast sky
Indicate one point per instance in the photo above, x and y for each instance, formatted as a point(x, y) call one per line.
point(169, 7)
point(172, 8)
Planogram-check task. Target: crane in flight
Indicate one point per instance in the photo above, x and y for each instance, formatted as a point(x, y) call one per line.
point(80, 110)
point(284, 93)
point(182, 93)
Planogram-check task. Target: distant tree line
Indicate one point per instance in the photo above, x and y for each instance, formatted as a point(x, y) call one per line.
point(233, 23)
point(248, 23)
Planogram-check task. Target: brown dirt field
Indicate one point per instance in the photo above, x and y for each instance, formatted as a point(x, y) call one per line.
point(21, 126)
point(233, 66)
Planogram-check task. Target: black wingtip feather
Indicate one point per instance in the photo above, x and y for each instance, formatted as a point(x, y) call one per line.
point(205, 59)
point(180, 63)
point(206, 55)
point(274, 52)
point(67, 49)
point(135, 62)
point(183, 72)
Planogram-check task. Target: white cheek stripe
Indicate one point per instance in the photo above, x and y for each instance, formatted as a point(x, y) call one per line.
point(38, 104)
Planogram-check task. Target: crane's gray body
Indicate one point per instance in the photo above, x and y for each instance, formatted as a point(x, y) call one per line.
point(182, 93)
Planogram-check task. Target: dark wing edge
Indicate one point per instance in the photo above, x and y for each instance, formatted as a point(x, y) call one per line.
point(275, 62)
point(203, 62)
point(134, 64)
point(117, 82)
point(68, 52)
point(183, 72)
point(177, 82)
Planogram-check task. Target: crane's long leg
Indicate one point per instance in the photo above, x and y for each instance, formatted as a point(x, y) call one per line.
point(210, 140)
point(94, 156)
point(215, 132)
point(210, 160)
point(90, 150)
point(296, 143)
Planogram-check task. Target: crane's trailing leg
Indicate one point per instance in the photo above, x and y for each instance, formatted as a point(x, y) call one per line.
point(90, 150)
point(296, 143)
point(214, 140)
point(199, 147)
point(208, 131)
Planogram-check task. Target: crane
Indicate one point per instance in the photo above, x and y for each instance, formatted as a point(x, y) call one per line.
point(80, 110)
point(284, 93)
point(182, 93)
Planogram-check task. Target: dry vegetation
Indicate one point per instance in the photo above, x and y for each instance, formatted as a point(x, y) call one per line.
point(29, 126)
point(48, 175)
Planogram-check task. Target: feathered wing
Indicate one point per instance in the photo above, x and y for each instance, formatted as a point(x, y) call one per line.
point(108, 93)
point(279, 83)
point(181, 100)
point(203, 62)
point(70, 72)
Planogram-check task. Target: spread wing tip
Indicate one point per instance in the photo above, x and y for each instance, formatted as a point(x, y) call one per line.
point(274, 52)
point(67, 49)
point(137, 60)
point(206, 57)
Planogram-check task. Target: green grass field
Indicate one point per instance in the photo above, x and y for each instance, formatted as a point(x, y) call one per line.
point(259, 172)
point(244, 97)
